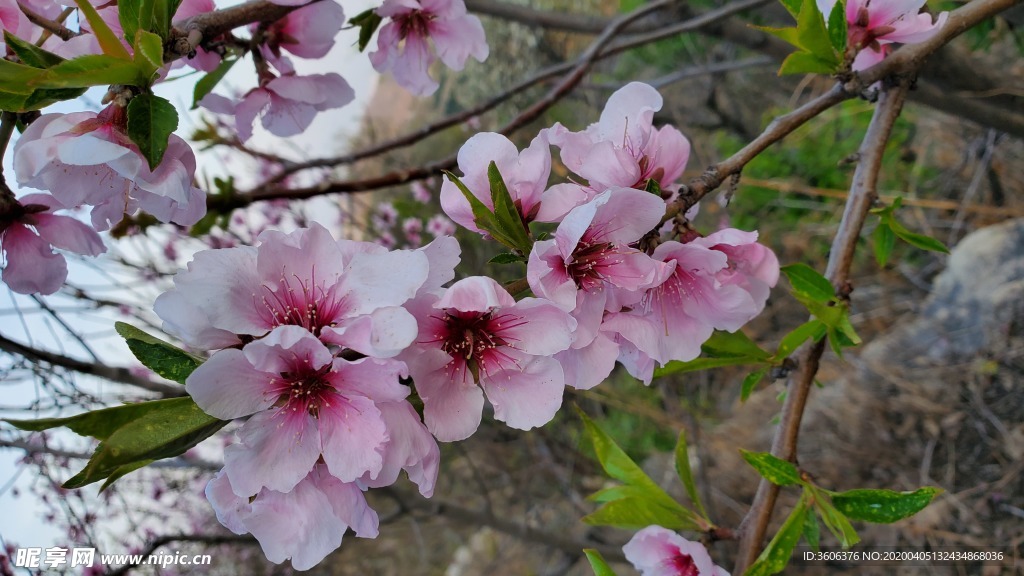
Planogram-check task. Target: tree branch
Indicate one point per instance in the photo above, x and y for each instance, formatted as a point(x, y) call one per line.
point(863, 193)
point(112, 373)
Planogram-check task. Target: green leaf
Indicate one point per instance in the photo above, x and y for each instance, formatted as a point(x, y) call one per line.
point(677, 367)
point(151, 120)
point(506, 216)
point(134, 15)
point(163, 14)
point(884, 240)
point(597, 563)
point(788, 35)
point(814, 36)
point(166, 429)
point(835, 521)
point(736, 343)
point(751, 382)
point(772, 469)
point(482, 216)
point(162, 357)
point(617, 492)
point(792, 6)
point(108, 41)
point(776, 555)
point(123, 470)
point(813, 329)
point(206, 84)
point(30, 54)
point(918, 240)
point(98, 424)
point(44, 97)
point(812, 530)
point(837, 27)
point(685, 474)
point(653, 187)
point(883, 506)
point(506, 258)
point(806, 63)
point(16, 78)
point(809, 283)
point(639, 513)
point(368, 22)
point(149, 52)
point(90, 70)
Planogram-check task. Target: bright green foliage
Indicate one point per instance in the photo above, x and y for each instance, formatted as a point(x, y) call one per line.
point(883, 506)
point(108, 41)
point(207, 83)
point(504, 224)
point(149, 52)
point(889, 229)
point(597, 563)
point(682, 457)
point(135, 15)
point(367, 22)
point(722, 349)
point(775, 556)
point(151, 120)
point(772, 469)
point(132, 435)
point(640, 502)
point(161, 357)
point(821, 48)
point(817, 294)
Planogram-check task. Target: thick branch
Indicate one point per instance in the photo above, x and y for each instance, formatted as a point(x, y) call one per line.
point(863, 193)
point(112, 373)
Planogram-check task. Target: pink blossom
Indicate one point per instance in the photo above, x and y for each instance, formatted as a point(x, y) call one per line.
point(752, 266)
point(202, 60)
point(421, 193)
point(31, 265)
point(305, 405)
point(307, 32)
point(701, 292)
point(525, 175)
point(304, 524)
point(656, 551)
point(347, 293)
point(402, 43)
point(623, 148)
point(439, 226)
point(287, 104)
point(85, 158)
point(873, 24)
point(13, 20)
point(589, 268)
point(410, 447)
point(476, 336)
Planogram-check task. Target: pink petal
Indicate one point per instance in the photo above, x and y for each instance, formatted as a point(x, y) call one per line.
point(32, 266)
point(227, 386)
point(352, 437)
point(526, 397)
point(382, 334)
point(68, 233)
point(410, 448)
point(475, 294)
point(278, 449)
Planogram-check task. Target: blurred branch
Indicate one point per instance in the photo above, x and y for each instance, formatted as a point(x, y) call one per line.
point(112, 373)
point(863, 194)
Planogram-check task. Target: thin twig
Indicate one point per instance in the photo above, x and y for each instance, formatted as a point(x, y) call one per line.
point(863, 193)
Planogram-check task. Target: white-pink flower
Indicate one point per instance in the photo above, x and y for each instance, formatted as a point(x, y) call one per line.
point(439, 225)
point(305, 404)
point(286, 105)
point(304, 524)
point(31, 266)
point(476, 336)
point(623, 148)
point(402, 43)
point(702, 291)
point(346, 293)
point(656, 551)
point(87, 159)
point(525, 175)
point(307, 32)
point(589, 268)
point(872, 24)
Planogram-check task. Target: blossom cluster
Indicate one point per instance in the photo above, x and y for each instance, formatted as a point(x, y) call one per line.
point(635, 306)
point(657, 551)
point(874, 26)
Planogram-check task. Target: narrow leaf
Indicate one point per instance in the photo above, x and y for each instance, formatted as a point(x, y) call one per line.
point(207, 83)
point(677, 367)
point(751, 382)
point(506, 258)
point(29, 53)
point(813, 329)
point(837, 27)
point(808, 282)
point(90, 70)
point(151, 120)
point(98, 424)
point(772, 469)
point(123, 470)
point(812, 530)
point(639, 513)
point(482, 216)
point(506, 216)
point(792, 6)
point(368, 22)
point(883, 240)
point(836, 522)
point(149, 51)
point(883, 506)
point(108, 41)
point(814, 36)
point(17, 78)
point(685, 474)
point(806, 63)
point(776, 555)
point(918, 240)
point(597, 563)
point(134, 15)
point(736, 343)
